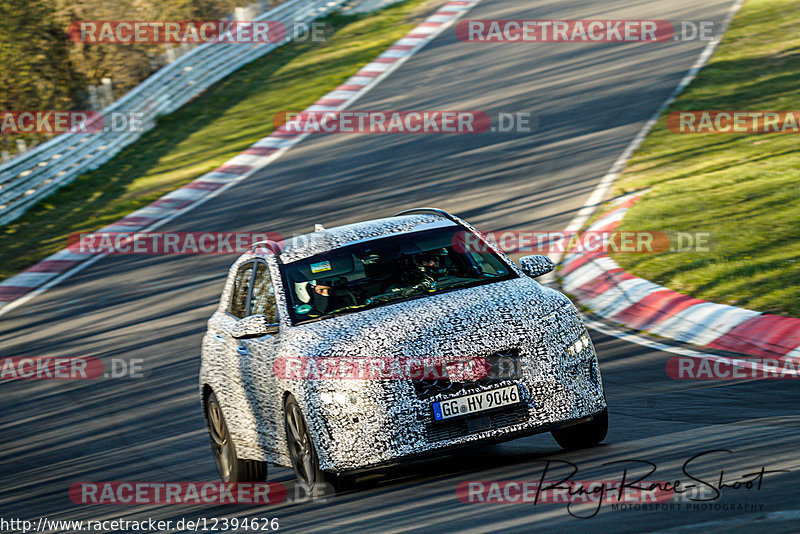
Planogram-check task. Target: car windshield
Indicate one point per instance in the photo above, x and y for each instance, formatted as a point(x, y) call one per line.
point(389, 269)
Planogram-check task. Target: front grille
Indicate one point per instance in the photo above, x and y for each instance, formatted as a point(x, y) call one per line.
point(499, 366)
point(479, 423)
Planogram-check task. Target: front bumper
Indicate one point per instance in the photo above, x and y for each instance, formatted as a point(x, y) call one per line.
point(489, 440)
point(402, 426)
point(559, 380)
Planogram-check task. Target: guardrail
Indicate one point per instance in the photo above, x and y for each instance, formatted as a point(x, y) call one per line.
point(36, 174)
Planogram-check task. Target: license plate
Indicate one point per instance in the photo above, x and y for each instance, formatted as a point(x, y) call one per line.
point(477, 402)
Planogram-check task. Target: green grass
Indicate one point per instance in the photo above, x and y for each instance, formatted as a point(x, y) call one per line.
point(744, 189)
point(205, 133)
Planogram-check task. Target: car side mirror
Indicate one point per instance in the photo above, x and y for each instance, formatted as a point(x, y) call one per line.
point(254, 326)
point(536, 265)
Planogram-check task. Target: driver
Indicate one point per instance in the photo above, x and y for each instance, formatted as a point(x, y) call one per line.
point(430, 263)
point(426, 269)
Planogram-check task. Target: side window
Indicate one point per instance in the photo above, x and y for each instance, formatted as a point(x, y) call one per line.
point(241, 285)
point(263, 300)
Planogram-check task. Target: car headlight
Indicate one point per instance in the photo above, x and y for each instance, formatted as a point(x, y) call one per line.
point(578, 346)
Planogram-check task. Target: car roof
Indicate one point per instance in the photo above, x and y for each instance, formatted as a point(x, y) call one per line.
point(307, 245)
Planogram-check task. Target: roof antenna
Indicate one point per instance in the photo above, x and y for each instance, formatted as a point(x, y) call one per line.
point(319, 228)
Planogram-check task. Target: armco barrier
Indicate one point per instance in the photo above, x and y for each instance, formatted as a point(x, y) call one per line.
point(33, 176)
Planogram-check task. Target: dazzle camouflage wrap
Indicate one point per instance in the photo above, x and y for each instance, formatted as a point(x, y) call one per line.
point(361, 423)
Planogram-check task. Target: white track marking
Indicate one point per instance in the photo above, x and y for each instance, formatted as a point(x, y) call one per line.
point(682, 351)
point(601, 189)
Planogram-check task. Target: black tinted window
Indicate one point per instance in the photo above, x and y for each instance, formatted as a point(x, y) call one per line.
point(263, 301)
point(241, 285)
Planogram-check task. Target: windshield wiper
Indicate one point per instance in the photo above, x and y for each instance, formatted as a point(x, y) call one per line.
point(347, 309)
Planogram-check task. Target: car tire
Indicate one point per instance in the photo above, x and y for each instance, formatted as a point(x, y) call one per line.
point(583, 435)
point(310, 478)
point(229, 466)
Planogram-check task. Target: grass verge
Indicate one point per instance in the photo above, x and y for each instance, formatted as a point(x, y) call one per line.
point(203, 134)
point(742, 188)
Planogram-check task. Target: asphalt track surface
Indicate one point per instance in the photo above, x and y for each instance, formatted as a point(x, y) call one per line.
point(590, 99)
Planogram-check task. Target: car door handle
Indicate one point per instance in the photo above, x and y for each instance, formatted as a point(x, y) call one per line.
point(219, 338)
point(242, 350)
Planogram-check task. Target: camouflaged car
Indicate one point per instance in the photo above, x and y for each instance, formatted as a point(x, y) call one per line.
point(368, 344)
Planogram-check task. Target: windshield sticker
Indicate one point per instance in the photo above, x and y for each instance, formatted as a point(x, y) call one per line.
point(321, 266)
point(302, 309)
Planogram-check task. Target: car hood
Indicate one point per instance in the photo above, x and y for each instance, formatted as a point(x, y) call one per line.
point(464, 322)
